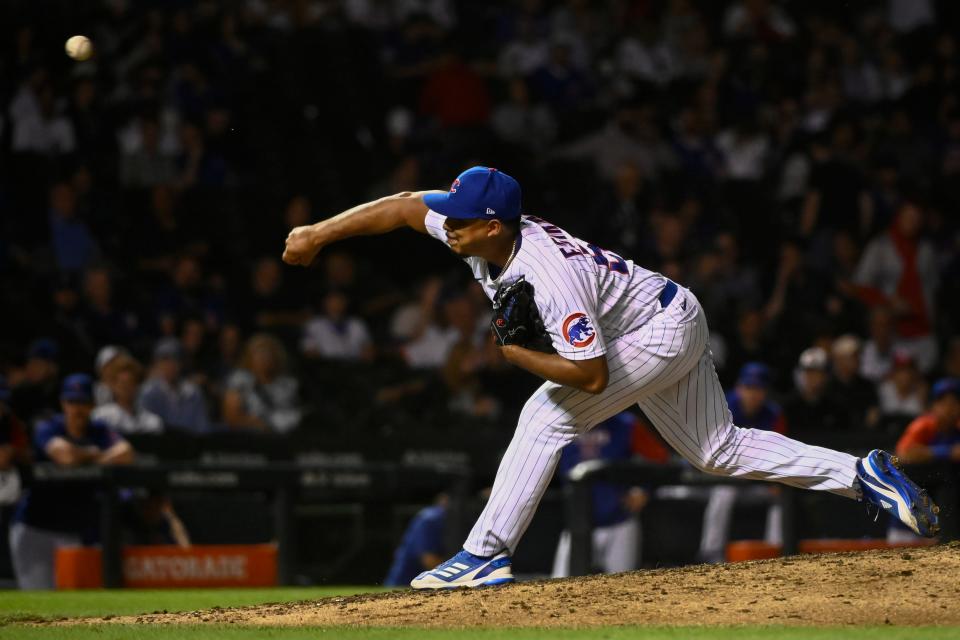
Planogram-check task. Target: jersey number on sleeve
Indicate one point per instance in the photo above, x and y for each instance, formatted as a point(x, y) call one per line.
point(608, 259)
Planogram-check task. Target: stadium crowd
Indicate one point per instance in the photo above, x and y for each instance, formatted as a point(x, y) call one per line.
point(794, 164)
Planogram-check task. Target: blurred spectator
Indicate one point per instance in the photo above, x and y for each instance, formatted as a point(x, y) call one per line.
point(526, 53)
point(146, 164)
point(812, 407)
point(908, 15)
point(454, 94)
point(622, 209)
point(13, 449)
point(560, 82)
point(744, 150)
point(936, 434)
point(903, 394)
point(640, 55)
point(859, 394)
point(836, 198)
point(899, 270)
point(50, 517)
point(180, 403)
point(101, 390)
point(446, 326)
point(795, 304)
point(104, 320)
point(620, 142)
point(749, 344)
point(35, 395)
point(521, 122)
point(877, 360)
point(67, 323)
point(422, 547)
point(472, 353)
point(335, 335)
point(153, 520)
point(40, 127)
point(196, 356)
point(270, 305)
point(260, 395)
point(759, 20)
point(723, 284)
point(616, 527)
point(412, 319)
point(161, 235)
point(187, 296)
point(750, 404)
point(229, 351)
point(73, 243)
point(123, 376)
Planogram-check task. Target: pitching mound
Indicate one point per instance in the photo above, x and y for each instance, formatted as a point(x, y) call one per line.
point(901, 587)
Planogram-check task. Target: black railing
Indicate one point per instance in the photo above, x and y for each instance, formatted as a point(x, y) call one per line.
point(285, 482)
point(941, 478)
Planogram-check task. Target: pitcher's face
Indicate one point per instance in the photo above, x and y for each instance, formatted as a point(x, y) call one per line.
point(470, 237)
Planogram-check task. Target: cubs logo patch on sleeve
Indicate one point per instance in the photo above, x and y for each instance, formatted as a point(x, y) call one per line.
point(578, 330)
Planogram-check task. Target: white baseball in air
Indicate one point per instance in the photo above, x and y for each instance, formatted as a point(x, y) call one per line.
point(79, 48)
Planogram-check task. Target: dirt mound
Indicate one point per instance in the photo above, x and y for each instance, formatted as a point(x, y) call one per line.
point(901, 587)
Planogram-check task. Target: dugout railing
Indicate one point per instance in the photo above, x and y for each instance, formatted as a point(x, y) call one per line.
point(286, 483)
point(940, 478)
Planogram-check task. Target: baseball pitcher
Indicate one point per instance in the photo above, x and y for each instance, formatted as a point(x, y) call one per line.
point(605, 334)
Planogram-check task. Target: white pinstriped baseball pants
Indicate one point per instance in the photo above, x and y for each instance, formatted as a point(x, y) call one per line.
point(667, 369)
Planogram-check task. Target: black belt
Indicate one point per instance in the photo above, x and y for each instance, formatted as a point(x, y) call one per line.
point(668, 293)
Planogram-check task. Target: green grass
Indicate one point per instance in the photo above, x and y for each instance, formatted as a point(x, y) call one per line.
point(18, 605)
point(151, 632)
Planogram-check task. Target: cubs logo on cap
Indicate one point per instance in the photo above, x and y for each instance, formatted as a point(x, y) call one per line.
point(578, 331)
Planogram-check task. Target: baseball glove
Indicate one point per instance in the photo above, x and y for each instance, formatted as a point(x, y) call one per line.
point(516, 319)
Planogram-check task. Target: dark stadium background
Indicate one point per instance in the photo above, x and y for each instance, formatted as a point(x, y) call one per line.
point(750, 156)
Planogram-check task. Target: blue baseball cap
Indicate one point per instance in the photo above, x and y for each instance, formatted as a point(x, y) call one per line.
point(946, 386)
point(754, 374)
point(478, 193)
point(43, 349)
point(77, 387)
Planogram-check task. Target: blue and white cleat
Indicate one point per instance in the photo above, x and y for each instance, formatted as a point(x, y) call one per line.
point(466, 570)
point(885, 485)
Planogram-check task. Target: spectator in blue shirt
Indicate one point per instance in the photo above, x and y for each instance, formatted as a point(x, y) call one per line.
point(73, 244)
point(180, 403)
point(422, 546)
point(50, 517)
point(616, 532)
point(750, 403)
point(751, 408)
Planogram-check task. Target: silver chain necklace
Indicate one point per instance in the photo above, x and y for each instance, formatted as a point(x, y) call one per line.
point(506, 264)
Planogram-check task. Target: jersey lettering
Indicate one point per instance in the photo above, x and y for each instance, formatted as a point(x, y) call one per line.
point(570, 248)
point(560, 238)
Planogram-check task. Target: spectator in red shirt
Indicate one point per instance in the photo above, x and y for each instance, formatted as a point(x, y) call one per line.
point(899, 269)
point(455, 94)
point(936, 434)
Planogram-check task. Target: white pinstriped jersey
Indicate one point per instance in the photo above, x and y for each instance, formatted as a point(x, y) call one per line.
point(586, 295)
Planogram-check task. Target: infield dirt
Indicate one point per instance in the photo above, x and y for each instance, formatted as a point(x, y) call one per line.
point(897, 587)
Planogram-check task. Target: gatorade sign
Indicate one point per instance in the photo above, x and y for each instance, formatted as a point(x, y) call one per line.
point(173, 567)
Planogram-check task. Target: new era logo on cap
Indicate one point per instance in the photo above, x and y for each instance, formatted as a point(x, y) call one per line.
point(478, 192)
